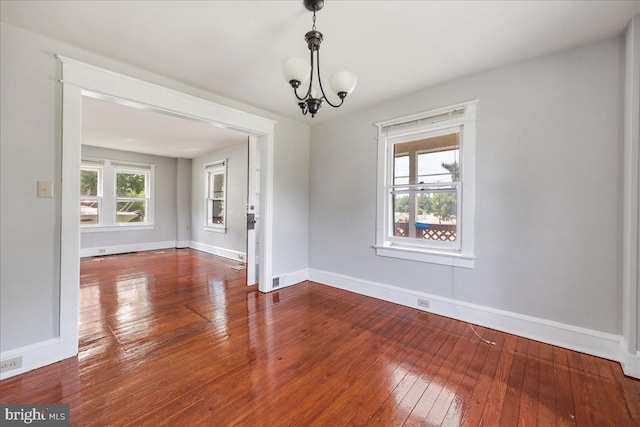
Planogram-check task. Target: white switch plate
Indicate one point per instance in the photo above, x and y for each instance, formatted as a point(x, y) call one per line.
point(45, 189)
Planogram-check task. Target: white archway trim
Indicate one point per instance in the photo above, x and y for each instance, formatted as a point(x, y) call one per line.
point(631, 204)
point(80, 79)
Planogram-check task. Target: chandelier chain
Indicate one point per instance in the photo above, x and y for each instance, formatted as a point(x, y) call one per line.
point(313, 27)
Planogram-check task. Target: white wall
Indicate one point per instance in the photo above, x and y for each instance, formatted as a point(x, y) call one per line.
point(292, 182)
point(164, 201)
point(183, 198)
point(235, 237)
point(30, 148)
point(548, 198)
point(30, 227)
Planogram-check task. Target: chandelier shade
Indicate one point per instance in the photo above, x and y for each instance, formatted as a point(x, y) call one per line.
point(343, 81)
point(298, 71)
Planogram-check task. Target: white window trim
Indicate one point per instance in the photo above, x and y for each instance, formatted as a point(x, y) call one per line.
point(218, 165)
point(409, 128)
point(107, 177)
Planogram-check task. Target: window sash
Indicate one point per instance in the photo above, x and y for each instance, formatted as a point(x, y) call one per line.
point(93, 200)
point(92, 166)
point(129, 202)
point(215, 191)
point(119, 213)
point(416, 189)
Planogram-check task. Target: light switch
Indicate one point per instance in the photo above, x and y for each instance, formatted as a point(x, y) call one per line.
point(45, 189)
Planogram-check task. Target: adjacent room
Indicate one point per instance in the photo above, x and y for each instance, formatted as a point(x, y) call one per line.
point(200, 228)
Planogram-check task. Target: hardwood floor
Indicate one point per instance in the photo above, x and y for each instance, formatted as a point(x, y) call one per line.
point(175, 338)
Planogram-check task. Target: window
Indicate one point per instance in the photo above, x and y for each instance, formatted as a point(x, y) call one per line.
point(90, 195)
point(215, 195)
point(426, 188)
point(115, 195)
point(131, 196)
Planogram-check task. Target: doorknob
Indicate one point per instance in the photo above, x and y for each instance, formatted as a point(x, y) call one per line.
point(251, 220)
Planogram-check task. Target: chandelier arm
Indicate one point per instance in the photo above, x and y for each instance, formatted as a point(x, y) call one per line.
point(295, 92)
point(306, 95)
point(322, 89)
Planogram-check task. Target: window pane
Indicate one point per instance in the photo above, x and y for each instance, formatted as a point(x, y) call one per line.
point(130, 211)
point(439, 166)
point(89, 212)
point(427, 160)
point(436, 219)
point(435, 216)
point(401, 215)
point(401, 169)
point(89, 183)
point(130, 185)
point(218, 185)
point(215, 212)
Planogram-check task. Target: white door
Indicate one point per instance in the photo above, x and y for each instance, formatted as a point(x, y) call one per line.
point(253, 212)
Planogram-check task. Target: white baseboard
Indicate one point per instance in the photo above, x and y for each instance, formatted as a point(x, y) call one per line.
point(123, 249)
point(292, 278)
point(215, 250)
point(37, 355)
point(584, 340)
point(630, 362)
point(180, 244)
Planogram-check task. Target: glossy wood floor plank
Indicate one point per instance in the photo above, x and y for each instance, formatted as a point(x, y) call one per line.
point(174, 337)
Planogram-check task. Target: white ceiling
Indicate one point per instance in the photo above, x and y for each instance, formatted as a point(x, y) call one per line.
point(122, 127)
point(234, 48)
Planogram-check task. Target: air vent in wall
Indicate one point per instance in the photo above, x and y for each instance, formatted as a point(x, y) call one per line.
point(276, 282)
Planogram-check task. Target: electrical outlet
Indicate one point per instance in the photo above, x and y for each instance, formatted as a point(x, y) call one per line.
point(423, 303)
point(11, 364)
point(102, 251)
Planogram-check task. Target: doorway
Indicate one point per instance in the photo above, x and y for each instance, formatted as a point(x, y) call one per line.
point(167, 153)
point(80, 79)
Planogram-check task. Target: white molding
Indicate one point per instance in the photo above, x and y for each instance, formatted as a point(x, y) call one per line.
point(112, 228)
point(215, 229)
point(426, 255)
point(181, 244)
point(106, 82)
point(292, 278)
point(70, 219)
point(630, 362)
point(631, 188)
point(426, 114)
point(215, 250)
point(601, 344)
point(123, 249)
point(35, 356)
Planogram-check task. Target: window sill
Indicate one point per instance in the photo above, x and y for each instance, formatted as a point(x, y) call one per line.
point(453, 259)
point(215, 229)
point(109, 228)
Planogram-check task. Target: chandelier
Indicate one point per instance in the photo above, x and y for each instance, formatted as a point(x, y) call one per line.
point(297, 71)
